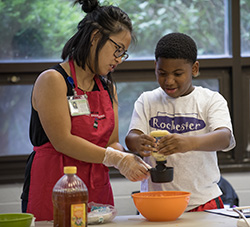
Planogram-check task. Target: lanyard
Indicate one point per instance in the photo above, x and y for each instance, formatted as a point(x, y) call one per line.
point(78, 104)
point(71, 81)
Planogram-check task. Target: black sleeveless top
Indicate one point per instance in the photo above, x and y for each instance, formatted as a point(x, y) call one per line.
point(36, 132)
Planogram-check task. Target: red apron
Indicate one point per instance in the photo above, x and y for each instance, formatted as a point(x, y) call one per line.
point(47, 166)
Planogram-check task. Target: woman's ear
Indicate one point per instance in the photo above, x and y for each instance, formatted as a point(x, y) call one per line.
point(94, 36)
point(195, 69)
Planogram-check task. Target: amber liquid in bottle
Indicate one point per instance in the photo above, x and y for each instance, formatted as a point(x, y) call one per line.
point(70, 199)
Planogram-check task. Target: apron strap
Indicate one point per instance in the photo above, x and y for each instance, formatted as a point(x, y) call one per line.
point(99, 83)
point(73, 72)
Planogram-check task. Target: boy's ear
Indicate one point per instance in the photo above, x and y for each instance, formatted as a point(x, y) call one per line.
point(195, 69)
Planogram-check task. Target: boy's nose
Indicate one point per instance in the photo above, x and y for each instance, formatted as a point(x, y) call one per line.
point(169, 80)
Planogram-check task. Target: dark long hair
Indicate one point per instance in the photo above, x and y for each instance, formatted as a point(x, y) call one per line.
point(106, 20)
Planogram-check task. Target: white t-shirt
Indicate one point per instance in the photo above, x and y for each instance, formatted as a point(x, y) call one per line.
point(199, 112)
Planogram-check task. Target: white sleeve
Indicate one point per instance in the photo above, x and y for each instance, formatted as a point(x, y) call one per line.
point(139, 119)
point(219, 116)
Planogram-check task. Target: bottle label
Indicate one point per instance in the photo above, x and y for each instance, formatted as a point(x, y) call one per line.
point(78, 217)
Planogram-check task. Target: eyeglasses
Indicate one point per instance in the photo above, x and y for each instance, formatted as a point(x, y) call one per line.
point(119, 52)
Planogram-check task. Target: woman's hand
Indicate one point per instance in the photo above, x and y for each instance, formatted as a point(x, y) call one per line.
point(129, 165)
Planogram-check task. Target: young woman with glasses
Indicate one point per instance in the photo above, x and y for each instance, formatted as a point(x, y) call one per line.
point(74, 119)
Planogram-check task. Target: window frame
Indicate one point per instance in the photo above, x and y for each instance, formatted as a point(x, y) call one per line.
point(233, 74)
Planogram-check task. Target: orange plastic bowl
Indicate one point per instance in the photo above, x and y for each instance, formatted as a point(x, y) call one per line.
point(161, 205)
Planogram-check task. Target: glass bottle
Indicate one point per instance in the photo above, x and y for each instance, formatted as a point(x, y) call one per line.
point(70, 199)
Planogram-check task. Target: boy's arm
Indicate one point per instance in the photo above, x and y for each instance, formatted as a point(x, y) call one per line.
point(212, 141)
point(139, 142)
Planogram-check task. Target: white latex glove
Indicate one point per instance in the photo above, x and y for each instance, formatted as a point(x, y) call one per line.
point(129, 165)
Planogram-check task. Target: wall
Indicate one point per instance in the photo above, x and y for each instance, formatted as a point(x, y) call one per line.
point(10, 194)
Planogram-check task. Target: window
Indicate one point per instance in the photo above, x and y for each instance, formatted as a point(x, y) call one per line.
point(245, 27)
point(128, 92)
point(34, 32)
point(39, 29)
point(153, 19)
point(15, 114)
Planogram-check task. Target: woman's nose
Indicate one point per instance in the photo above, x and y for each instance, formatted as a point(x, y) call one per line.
point(119, 60)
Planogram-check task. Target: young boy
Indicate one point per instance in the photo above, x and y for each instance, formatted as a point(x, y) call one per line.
point(197, 119)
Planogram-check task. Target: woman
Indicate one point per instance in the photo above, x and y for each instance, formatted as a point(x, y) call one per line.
point(74, 118)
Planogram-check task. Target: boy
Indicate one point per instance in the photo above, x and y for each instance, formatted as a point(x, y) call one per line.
point(197, 119)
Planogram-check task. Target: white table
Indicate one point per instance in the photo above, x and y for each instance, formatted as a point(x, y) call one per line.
point(192, 219)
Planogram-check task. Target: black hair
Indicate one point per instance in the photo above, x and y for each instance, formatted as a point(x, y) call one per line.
point(105, 20)
point(176, 46)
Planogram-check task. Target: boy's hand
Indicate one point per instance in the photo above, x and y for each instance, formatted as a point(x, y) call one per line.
point(145, 145)
point(141, 143)
point(174, 143)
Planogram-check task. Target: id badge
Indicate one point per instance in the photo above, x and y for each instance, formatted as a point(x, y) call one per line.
point(78, 105)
